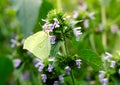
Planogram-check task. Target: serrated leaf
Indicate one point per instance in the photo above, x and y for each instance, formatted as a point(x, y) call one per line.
point(91, 58)
point(27, 13)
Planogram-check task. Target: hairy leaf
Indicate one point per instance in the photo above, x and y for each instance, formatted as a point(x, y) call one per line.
point(91, 58)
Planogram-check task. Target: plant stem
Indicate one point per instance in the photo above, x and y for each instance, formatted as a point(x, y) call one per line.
point(59, 7)
point(66, 46)
point(63, 48)
point(72, 76)
point(104, 37)
point(103, 15)
point(92, 42)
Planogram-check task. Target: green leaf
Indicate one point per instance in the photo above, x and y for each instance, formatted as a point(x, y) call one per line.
point(98, 43)
point(6, 68)
point(91, 58)
point(27, 13)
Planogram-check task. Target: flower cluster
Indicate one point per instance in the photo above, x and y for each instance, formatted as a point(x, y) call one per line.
point(108, 59)
point(49, 69)
point(109, 64)
point(56, 24)
point(49, 26)
point(103, 80)
point(85, 18)
point(39, 65)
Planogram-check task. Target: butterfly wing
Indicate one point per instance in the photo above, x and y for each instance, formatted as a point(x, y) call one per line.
point(38, 44)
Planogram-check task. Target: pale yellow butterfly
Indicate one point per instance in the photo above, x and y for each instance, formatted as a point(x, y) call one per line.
point(38, 44)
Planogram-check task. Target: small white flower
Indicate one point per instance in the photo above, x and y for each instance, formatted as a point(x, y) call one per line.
point(16, 62)
point(77, 32)
point(114, 28)
point(100, 27)
point(108, 56)
point(51, 27)
point(78, 63)
point(14, 43)
point(86, 23)
point(105, 81)
point(112, 65)
point(39, 65)
point(91, 15)
point(56, 23)
point(67, 70)
point(44, 77)
point(55, 83)
point(61, 78)
point(101, 75)
point(50, 68)
point(119, 71)
point(52, 39)
point(75, 15)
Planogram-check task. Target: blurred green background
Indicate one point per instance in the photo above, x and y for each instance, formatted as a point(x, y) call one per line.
point(21, 18)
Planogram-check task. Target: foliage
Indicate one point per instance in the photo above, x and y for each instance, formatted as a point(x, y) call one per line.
point(83, 39)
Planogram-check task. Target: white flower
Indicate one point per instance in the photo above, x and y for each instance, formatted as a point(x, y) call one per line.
point(16, 62)
point(91, 15)
point(56, 23)
point(105, 81)
point(78, 63)
point(86, 23)
point(114, 28)
point(75, 15)
point(119, 71)
point(77, 32)
point(113, 64)
point(101, 75)
point(52, 39)
point(108, 56)
point(100, 27)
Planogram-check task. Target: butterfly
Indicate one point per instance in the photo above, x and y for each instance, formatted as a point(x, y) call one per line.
point(38, 44)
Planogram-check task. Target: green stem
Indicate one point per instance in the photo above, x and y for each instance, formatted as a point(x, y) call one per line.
point(103, 15)
point(104, 40)
point(59, 7)
point(72, 76)
point(63, 48)
point(104, 37)
point(66, 46)
point(92, 42)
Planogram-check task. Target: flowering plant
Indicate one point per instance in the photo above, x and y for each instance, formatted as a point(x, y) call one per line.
point(59, 42)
